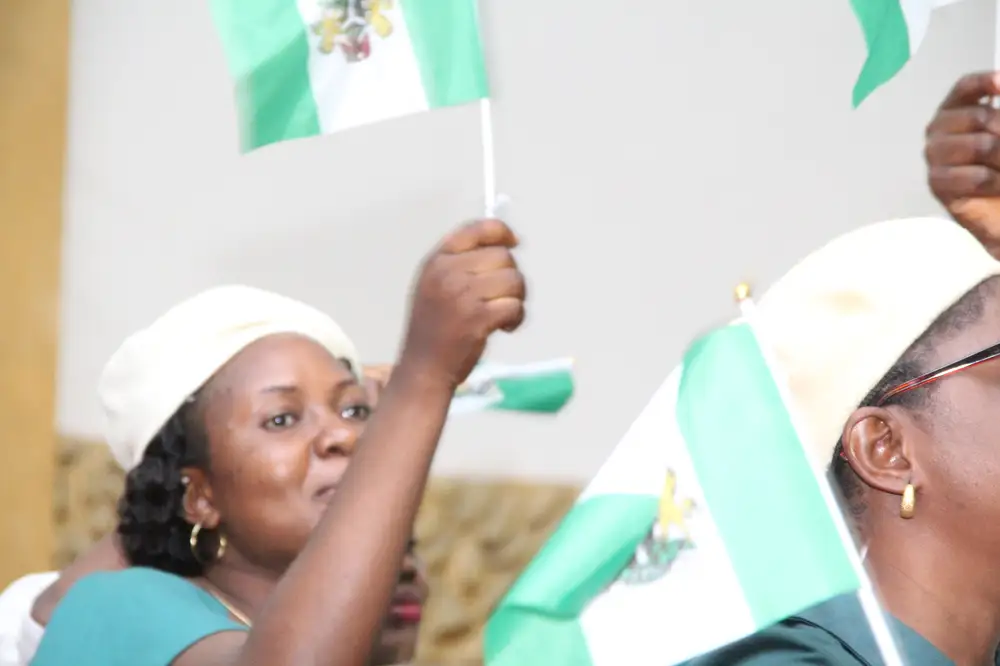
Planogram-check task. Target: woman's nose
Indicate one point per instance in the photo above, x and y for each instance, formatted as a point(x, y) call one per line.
point(336, 438)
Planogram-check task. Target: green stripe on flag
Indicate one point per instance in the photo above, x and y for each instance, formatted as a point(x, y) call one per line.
point(267, 49)
point(539, 638)
point(546, 393)
point(749, 462)
point(588, 550)
point(888, 40)
point(448, 49)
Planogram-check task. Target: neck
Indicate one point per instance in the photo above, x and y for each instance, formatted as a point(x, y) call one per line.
point(948, 595)
point(245, 585)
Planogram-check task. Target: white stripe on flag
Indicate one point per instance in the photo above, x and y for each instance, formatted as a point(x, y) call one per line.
point(704, 588)
point(383, 86)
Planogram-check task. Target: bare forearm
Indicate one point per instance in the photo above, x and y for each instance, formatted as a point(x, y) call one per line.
point(330, 605)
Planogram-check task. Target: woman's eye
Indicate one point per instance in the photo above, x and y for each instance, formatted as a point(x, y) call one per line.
point(280, 421)
point(356, 412)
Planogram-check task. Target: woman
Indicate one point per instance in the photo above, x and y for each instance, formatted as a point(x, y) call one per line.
point(236, 413)
point(27, 603)
point(890, 340)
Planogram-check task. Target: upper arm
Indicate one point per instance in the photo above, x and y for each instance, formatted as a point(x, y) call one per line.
point(137, 617)
point(792, 643)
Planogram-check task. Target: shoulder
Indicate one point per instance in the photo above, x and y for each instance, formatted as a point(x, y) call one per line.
point(134, 583)
point(19, 633)
point(110, 616)
point(117, 592)
point(834, 632)
point(793, 641)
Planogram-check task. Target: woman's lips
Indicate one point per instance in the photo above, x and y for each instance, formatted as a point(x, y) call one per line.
point(409, 613)
point(407, 606)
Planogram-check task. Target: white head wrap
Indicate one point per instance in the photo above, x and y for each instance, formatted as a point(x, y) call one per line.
point(839, 320)
point(158, 368)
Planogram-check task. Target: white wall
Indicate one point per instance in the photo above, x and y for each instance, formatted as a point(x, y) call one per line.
point(656, 152)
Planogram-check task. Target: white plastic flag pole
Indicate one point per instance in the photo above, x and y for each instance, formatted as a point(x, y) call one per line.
point(996, 42)
point(995, 102)
point(489, 157)
point(877, 621)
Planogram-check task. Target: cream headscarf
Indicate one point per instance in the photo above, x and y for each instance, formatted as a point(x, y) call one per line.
point(158, 368)
point(840, 319)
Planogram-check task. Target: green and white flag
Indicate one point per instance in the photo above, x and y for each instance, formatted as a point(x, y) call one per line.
point(309, 67)
point(893, 32)
point(533, 387)
point(706, 524)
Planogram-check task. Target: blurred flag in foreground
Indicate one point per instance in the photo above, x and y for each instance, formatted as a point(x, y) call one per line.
point(706, 524)
point(532, 387)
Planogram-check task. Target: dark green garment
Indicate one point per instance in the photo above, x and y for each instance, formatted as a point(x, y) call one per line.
point(833, 633)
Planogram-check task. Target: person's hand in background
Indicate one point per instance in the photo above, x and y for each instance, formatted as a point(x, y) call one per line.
point(963, 156)
point(376, 378)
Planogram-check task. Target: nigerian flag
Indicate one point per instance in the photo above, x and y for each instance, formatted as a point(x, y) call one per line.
point(532, 387)
point(706, 524)
point(893, 31)
point(308, 67)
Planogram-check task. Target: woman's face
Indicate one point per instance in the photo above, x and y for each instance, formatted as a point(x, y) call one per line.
point(961, 460)
point(282, 419)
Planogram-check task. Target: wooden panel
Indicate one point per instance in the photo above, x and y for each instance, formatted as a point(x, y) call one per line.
point(34, 39)
point(474, 536)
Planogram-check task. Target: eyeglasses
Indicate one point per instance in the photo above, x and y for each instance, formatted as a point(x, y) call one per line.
point(988, 354)
point(969, 361)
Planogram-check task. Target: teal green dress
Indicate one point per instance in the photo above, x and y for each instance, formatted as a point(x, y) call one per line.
point(834, 633)
point(134, 617)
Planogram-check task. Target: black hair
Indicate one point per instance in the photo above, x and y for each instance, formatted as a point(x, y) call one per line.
point(151, 523)
point(966, 311)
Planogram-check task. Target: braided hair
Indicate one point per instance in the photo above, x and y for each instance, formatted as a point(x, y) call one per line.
point(151, 522)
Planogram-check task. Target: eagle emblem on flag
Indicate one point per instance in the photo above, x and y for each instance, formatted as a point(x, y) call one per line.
point(668, 536)
point(347, 26)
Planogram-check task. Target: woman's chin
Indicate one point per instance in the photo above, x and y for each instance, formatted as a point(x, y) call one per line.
point(396, 645)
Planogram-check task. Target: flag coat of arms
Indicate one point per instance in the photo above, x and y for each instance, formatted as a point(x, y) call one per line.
point(309, 67)
point(705, 525)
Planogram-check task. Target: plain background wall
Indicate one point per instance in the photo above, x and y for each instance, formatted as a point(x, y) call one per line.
point(657, 153)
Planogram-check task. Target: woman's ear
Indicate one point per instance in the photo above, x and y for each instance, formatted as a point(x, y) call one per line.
point(199, 509)
point(875, 445)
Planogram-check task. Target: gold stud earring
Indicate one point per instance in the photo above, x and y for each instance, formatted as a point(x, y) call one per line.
point(908, 504)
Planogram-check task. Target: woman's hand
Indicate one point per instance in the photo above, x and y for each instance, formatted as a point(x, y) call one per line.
point(467, 288)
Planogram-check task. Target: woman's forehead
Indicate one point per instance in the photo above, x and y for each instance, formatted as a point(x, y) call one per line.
point(282, 359)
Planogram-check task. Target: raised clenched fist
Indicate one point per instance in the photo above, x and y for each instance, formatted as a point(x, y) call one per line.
point(465, 290)
point(963, 156)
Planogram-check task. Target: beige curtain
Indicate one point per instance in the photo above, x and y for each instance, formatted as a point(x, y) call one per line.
point(34, 39)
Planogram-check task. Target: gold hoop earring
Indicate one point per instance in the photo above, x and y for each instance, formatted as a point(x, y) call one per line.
point(908, 504)
point(219, 551)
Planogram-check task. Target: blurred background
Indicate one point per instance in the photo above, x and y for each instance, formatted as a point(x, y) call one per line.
point(655, 154)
